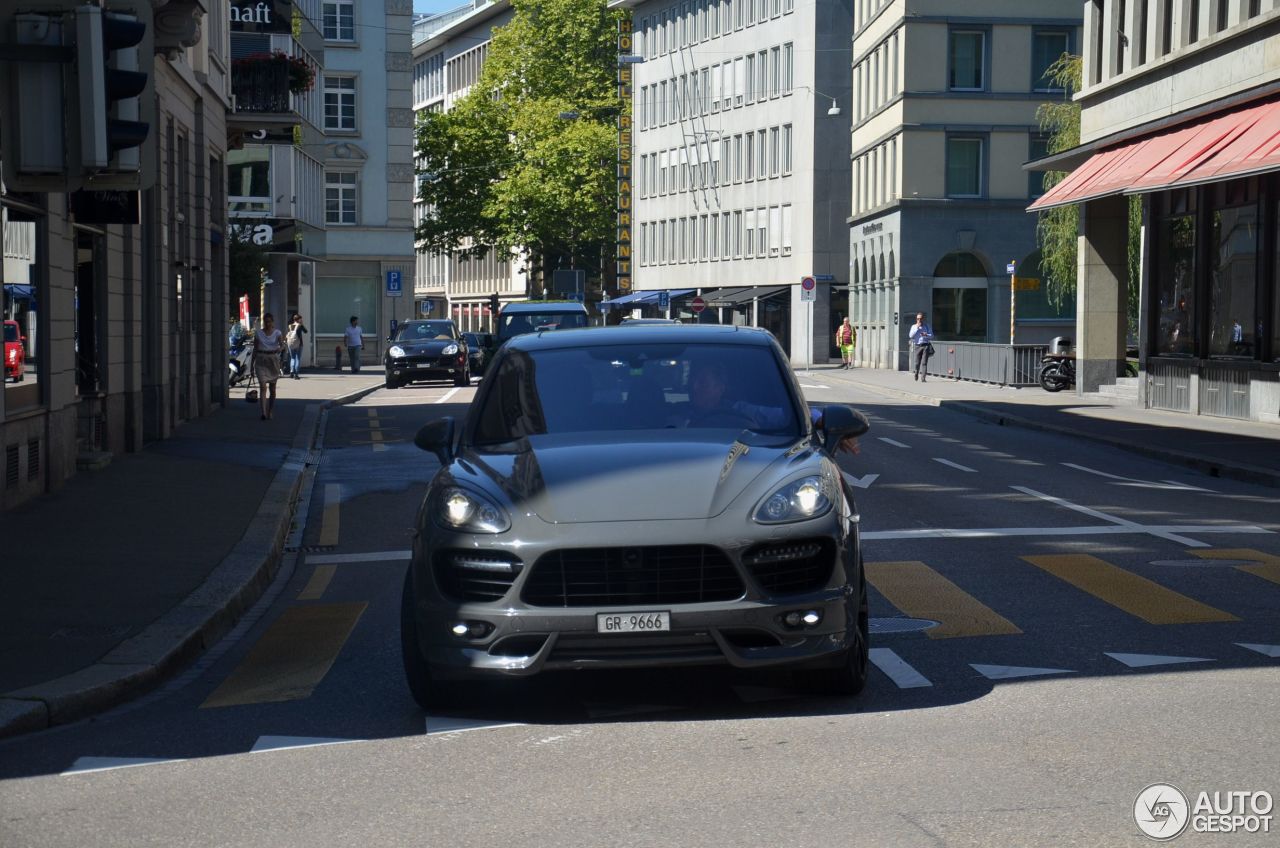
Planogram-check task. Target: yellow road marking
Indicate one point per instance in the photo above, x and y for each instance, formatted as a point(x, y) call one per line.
point(291, 658)
point(318, 583)
point(373, 413)
point(921, 592)
point(1125, 590)
point(1268, 567)
point(329, 521)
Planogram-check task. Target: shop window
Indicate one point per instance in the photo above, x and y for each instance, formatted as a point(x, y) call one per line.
point(23, 252)
point(1233, 272)
point(338, 298)
point(960, 314)
point(1174, 284)
point(1033, 302)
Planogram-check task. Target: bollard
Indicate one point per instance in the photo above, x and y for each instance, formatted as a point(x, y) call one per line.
point(337, 357)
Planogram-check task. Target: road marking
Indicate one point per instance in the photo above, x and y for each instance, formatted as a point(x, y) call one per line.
point(318, 583)
point(1148, 660)
point(1133, 481)
point(449, 394)
point(1266, 566)
point(897, 669)
point(85, 765)
point(1009, 672)
point(893, 442)
point(955, 465)
point(813, 386)
point(375, 436)
point(920, 592)
point(1125, 590)
point(1093, 513)
point(1106, 530)
point(450, 724)
point(291, 658)
point(282, 743)
point(329, 520)
point(371, 556)
point(863, 482)
point(1272, 651)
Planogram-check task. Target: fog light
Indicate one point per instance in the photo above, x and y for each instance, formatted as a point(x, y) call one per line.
point(811, 617)
point(792, 619)
point(461, 629)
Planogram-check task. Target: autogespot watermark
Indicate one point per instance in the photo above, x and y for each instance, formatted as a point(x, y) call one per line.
point(1163, 812)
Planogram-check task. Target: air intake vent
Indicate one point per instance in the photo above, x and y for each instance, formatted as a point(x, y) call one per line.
point(33, 459)
point(597, 577)
point(793, 567)
point(480, 576)
point(11, 465)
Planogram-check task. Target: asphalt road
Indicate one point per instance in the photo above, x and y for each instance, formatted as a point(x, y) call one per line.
point(1096, 622)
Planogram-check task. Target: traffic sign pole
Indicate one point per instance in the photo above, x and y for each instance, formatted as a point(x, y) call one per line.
point(1012, 268)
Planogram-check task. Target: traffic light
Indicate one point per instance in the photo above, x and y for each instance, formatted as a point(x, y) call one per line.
point(493, 304)
point(114, 59)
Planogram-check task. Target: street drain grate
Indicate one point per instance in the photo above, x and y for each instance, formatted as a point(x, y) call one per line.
point(900, 625)
point(1204, 563)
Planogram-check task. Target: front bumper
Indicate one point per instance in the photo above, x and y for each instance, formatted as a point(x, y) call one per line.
point(746, 632)
point(424, 368)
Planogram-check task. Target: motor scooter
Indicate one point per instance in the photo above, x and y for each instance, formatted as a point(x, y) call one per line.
point(1057, 371)
point(240, 362)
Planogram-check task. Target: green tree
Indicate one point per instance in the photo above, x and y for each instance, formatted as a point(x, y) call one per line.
point(507, 168)
point(1058, 229)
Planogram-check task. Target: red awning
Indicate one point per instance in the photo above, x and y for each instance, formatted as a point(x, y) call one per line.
point(1236, 144)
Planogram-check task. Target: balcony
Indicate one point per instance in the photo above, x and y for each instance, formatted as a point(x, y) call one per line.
point(268, 90)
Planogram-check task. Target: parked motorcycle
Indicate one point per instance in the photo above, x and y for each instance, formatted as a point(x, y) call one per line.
point(1057, 371)
point(239, 362)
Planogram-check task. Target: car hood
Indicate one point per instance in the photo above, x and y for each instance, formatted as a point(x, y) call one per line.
point(430, 346)
point(571, 482)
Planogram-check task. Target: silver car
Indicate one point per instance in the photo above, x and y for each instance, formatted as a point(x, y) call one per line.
point(630, 497)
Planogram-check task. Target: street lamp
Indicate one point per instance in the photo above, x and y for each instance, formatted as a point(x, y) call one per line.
point(834, 111)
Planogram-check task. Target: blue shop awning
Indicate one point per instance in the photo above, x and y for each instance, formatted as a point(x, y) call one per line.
point(638, 298)
point(20, 291)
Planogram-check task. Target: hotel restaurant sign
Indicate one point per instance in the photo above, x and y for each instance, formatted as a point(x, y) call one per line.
point(260, 15)
point(624, 159)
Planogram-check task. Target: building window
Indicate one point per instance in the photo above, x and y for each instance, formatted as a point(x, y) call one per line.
point(749, 233)
point(786, 149)
point(1037, 148)
point(249, 181)
point(762, 163)
point(339, 104)
point(964, 166)
point(1175, 277)
point(340, 189)
point(786, 230)
point(1233, 274)
point(775, 150)
point(748, 157)
point(788, 68)
point(1047, 47)
point(339, 20)
point(967, 60)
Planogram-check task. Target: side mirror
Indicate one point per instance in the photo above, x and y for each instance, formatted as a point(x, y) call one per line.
point(437, 437)
point(840, 422)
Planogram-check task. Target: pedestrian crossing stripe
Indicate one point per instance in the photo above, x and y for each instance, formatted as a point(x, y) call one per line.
point(920, 592)
point(1138, 596)
point(1266, 566)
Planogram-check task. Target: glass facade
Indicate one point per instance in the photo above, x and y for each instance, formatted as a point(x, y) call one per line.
point(1233, 271)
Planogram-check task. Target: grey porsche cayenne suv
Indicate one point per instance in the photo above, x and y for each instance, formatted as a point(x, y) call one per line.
point(630, 497)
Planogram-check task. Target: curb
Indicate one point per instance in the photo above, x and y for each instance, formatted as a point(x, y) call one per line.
point(1206, 465)
point(205, 616)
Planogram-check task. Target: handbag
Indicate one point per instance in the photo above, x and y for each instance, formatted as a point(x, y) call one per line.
point(928, 349)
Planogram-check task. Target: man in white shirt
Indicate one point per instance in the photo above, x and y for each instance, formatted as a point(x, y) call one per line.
point(354, 338)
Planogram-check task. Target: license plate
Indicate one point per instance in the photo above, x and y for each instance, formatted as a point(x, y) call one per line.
point(633, 622)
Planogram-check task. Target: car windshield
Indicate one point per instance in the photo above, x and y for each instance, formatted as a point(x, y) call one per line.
point(518, 323)
point(10, 332)
point(637, 387)
point(424, 330)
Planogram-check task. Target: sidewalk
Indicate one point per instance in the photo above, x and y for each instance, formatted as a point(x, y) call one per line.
point(125, 574)
point(1220, 447)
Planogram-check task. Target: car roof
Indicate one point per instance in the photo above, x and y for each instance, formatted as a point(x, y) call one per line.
point(643, 333)
point(544, 306)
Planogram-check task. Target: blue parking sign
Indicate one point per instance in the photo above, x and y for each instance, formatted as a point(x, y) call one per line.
point(664, 299)
point(394, 288)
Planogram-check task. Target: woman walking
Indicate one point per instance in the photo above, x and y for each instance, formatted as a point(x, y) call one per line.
point(846, 338)
point(266, 362)
point(294, 342)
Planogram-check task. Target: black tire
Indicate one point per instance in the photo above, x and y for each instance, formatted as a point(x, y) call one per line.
point(417, 671)
point(1051, 379)
point(463, 379)
point(393, 383)
point(850, 676)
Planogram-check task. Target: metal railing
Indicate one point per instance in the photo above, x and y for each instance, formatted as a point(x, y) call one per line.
point(1001, 364)
point(261, 86)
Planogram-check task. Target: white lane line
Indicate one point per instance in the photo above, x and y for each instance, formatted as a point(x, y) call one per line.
point(1272, 651)
point(894, 442)
point(813, 386)
point(1105, 530)
point(282, 743)
point(862, 482)
point(1148, 660)
point(449, 394)
point(1162, 533)
point(1170, 485)
point(955, 465)
point(449, 724)
point(1010, 672)
point(370, 556)
point(85, 765)
point(897, 669)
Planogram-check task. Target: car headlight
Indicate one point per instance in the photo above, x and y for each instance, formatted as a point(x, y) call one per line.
point(461, 509)
point(798, 500)
point(396, 351)
point(449, 350)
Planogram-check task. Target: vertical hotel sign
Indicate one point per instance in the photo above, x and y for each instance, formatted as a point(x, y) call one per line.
point(624, 157)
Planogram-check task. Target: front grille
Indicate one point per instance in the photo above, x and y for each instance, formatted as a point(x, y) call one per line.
point(791, 568)
point(599, 577)
point(481, 576)
point(654, 648)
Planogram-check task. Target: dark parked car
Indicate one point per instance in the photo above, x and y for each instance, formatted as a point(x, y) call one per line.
point(15, 356)
point(425, 350)
point(587, 517)
point(480, 347)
